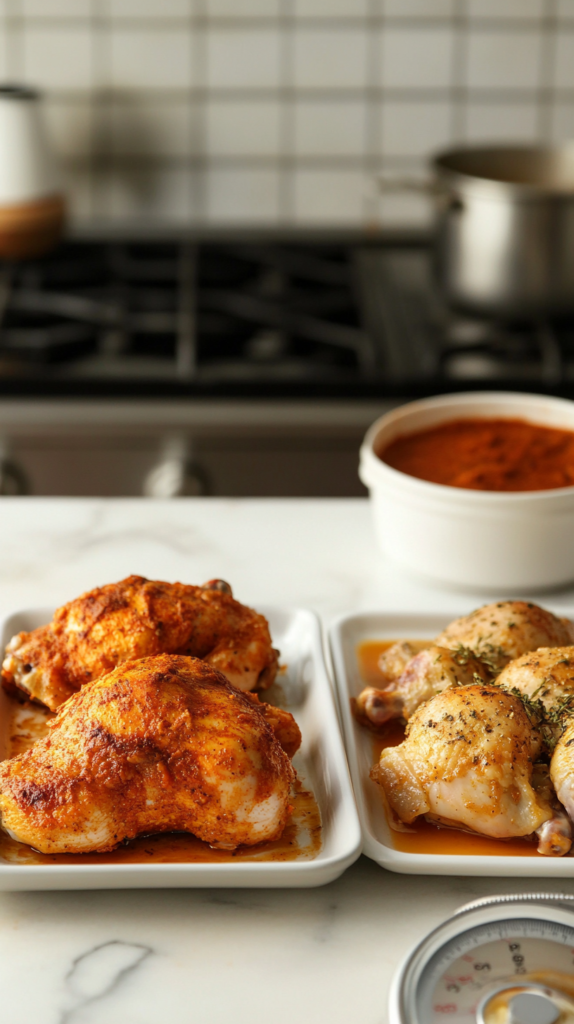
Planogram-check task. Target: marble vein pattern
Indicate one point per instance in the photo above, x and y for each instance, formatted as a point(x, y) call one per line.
point(96, 974)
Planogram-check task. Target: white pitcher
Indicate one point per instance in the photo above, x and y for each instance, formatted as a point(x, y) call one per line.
point(32, 207)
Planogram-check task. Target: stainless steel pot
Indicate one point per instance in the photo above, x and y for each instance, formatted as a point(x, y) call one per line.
point(504, 244)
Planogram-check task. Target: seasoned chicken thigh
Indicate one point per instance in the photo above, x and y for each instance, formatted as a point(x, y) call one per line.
point(467, 761)
point(555, 835)
point(393, 662)
point(562, 769)
point(495, 634)
point(138, 618)
point(159, 744)
point(546, 675)
point(428, 673)
point(505, 630)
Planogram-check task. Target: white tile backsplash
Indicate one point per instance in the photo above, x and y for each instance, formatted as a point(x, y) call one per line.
point(153, 192)
point(415, 129)
point(565, 8)
point(242, 195)
point(331, 8)
point(329, 128)
point(329, 196)
point(330, 58)
point(164, 11)
point(266, 111)
point(406, 209)
point(150, 58)
point(530, 10)
point(501, 122)
point(417, 58)
point(419, 8)
point(56, 8)
point(244, 9)
point(563, 122)
point(564, 66)
point(58, 57)
point(242, 58)
point(242, 128)
point(504, 59)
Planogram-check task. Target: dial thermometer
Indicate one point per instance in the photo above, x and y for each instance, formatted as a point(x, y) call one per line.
point(502, 960)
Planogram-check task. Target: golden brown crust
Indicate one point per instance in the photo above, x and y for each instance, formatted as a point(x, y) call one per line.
point(159, 744)
point(282, 723)
point(138, 618)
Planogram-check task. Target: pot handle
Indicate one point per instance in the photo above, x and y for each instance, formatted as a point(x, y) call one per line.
point(404, 183)
point(445, 200)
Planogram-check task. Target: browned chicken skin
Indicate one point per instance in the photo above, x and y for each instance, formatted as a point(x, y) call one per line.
point(282, 723)
point(159, 744)
point(138, 618)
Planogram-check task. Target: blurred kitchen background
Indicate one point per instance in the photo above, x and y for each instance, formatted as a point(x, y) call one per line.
point(236, 298)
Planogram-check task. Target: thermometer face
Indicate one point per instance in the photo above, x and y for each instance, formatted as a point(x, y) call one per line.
point(483, 958)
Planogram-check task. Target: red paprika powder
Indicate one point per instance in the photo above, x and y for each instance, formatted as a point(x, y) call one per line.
point(486, 455)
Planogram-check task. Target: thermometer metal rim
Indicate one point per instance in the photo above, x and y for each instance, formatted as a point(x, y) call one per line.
point(557, 908)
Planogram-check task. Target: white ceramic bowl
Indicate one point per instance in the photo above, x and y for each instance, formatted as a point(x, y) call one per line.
point(495, 541)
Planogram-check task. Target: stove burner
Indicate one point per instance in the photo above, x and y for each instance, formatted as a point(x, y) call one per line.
point(192, 314)
point(337, 318)
point(426, 345)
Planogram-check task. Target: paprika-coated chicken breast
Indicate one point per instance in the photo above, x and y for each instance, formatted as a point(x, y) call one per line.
point(139, 618)
point(282, 724)
point(468, 760)
point(159, 744)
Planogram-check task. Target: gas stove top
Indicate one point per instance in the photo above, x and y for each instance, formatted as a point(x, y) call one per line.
point(346, 318)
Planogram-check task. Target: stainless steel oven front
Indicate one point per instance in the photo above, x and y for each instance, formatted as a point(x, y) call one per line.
point(168, 449)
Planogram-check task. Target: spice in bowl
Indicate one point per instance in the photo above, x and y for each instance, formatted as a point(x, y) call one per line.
point(486, 455)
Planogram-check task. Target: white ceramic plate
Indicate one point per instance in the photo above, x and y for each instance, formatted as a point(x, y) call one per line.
point(321, 765)
point(345, 635)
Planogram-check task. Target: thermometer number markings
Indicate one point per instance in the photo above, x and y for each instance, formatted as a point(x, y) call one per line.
point(453, 982)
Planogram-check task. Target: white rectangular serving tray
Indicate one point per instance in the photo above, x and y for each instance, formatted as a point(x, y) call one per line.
point(321, 765)
point(345, 634)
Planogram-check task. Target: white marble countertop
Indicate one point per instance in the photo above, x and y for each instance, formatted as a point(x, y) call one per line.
point(215, 956)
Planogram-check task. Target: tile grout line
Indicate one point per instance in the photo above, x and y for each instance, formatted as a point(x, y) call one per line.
point(373, 111)
point(14, 28)
point(459, 86)
point(546, 92)
point(286, 206)
point(198, 191)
